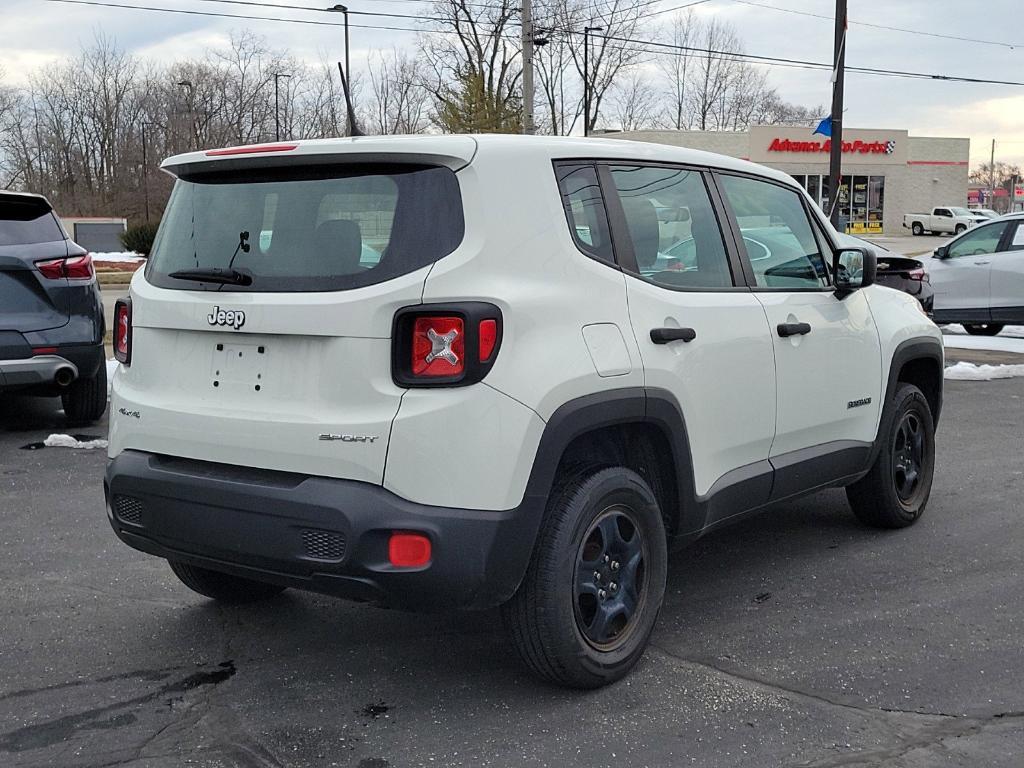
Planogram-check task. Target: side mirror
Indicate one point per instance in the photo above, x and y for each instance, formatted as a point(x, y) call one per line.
point(852, 269)
point(942, 252)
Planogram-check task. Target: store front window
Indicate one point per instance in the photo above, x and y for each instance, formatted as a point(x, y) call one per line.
point(861, 199)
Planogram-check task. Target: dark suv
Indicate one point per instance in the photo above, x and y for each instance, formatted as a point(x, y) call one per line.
point(51, 314)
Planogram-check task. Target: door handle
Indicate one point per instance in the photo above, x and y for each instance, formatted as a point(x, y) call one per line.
point(982, 263)
point(794, 329)
point(665, 335)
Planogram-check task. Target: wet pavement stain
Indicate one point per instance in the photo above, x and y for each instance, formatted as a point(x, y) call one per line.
point(373, 711)
point(56, 731)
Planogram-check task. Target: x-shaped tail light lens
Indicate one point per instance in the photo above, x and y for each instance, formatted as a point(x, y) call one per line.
point(439, 346)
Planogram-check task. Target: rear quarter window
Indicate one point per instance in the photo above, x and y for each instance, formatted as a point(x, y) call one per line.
point(321, 229)
point(29, 220)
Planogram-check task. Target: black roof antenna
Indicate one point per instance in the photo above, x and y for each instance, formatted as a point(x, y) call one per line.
point(353, 129)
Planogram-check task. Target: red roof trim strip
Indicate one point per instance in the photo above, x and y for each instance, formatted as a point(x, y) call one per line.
point(252, 149)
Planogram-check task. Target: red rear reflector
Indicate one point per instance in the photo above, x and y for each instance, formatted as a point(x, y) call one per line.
point(438, 346)
point(488, 338)
point(123, 331)
point(53, 269)
point(44, 350)
point(251, 149)
point(409, 550)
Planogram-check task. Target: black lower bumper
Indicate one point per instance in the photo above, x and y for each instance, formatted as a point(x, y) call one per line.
point(316, 533)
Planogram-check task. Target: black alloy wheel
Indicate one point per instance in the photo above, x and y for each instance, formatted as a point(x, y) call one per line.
point(908, 457)
point(610, 579)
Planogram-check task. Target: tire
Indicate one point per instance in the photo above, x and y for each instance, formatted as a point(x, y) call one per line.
point(917, 229)
point(895, 490)
point(960, 229)
point(983, 329)
point(85, 400)
point(586, 608)
point(223, 586)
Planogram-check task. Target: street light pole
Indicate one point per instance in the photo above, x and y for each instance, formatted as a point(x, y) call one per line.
point(277, 109)
point(344, 10)
point(586, 76)
point(187, 84)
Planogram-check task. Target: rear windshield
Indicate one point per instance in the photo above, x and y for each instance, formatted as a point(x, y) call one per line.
point(305, 229)
point(28, 220)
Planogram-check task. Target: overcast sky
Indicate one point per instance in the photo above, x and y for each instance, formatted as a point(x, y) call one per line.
point(34, 32)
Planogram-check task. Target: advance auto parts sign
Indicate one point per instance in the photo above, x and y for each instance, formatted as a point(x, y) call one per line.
point(770, 144)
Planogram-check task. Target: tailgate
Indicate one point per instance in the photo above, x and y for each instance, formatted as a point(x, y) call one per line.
point(28, 301)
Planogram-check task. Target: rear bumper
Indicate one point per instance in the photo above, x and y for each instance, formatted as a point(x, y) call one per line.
point(315, 533)
point(83, 361)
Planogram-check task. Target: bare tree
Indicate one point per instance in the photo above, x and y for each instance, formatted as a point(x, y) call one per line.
point(674, 67)
point(633, 101)
point(400, 100)
point(475, 66)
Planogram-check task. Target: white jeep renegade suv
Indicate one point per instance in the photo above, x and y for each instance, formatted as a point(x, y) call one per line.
point(469, 371)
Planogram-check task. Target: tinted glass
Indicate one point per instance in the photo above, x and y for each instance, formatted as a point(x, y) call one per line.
point(28, 220)
point(774, 217)
point(979, 241)
point(309, 230)
point(1017, 244)
point(584, 209)
point(672, 225)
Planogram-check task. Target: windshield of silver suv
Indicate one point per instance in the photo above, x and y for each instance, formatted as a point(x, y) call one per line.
point(306, 229)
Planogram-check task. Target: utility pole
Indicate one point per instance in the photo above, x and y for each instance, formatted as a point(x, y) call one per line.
point(190, 88)
point(145, 171)
point(835, 166)
point(527, 67)
point(277, 110)
point(586, 76)
point(992, 176)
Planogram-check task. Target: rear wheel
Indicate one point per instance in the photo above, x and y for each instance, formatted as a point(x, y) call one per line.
point(895, 491)
point(592, 592)
point(983, 329)
point(917, 229)
point(85, 400)
point(222, 586)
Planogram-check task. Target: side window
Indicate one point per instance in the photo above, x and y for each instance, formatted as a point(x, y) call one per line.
point(584, 210)
point(978, 241)
point(788, 255)
point(1017, 244)
point(943, 212)
point(675, 234)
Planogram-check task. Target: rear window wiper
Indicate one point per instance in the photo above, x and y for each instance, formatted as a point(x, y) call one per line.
point(213, 275)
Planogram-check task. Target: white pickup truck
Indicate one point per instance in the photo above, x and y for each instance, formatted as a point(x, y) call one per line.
point(951, 220)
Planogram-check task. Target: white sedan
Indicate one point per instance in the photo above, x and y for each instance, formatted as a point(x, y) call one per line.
point(978, 277)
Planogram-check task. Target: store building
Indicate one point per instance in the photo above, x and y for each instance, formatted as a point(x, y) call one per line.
point(886, 173)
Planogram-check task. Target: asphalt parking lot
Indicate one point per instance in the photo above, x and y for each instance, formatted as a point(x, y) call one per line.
point(797, 638)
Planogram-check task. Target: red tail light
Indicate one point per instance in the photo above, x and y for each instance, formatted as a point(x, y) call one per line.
point(445, 345)
point(409, 550)
point(123, 331)
point(438, 346)
point(74, 268)
point(918, 274)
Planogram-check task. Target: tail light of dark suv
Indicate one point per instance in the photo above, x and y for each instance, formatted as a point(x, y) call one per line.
point(71, 268)
point(445, 345)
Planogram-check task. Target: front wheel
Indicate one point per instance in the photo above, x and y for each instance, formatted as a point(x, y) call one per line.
point(983, 329)
point(222, 586)
point(960, 229)
point(584, 613)
point(895, 490)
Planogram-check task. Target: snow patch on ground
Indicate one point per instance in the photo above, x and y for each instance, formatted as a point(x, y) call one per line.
point(991, 343)
point(1010, 331)
point(67, 441)
point(971, 372)
point(131, 256)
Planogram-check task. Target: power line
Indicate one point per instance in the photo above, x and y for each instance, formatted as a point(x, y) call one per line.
point(232, 15)
point(318, 9)
point(669, 10)
point(1011, 46)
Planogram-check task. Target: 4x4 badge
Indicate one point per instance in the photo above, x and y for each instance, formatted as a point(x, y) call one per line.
point(233, 317)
